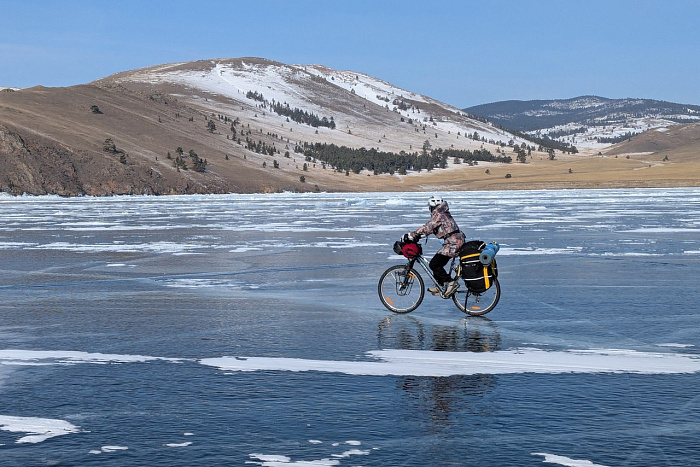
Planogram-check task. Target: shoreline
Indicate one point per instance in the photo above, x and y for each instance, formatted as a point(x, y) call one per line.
point(580, 187)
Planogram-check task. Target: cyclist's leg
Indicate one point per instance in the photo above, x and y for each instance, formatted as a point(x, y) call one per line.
point(437, 265)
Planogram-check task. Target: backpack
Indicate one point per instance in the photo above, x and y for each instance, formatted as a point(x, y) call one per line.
point(477, 276)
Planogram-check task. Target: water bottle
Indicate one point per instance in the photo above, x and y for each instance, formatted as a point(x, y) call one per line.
point(488, 253)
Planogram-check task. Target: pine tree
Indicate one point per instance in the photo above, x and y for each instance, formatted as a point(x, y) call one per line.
point(109, 146)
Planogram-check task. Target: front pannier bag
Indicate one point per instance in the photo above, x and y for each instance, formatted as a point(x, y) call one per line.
point(477, 276)
point(408, 249)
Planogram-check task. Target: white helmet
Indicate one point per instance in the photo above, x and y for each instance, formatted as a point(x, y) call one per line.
point(434, 202)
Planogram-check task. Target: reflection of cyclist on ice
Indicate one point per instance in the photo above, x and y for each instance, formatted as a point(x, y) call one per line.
point(444, 227)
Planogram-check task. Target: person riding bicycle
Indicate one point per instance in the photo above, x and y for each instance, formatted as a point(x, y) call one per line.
point(445, 228)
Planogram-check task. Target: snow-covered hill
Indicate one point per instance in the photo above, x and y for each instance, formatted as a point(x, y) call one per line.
point(353, 99)
point(587, 121)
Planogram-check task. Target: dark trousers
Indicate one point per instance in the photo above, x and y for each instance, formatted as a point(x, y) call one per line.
point(437, 265)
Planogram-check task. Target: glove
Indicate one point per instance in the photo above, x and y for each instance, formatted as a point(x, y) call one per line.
point(411, 237)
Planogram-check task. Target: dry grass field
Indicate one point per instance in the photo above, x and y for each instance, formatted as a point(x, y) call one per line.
point(585, 170)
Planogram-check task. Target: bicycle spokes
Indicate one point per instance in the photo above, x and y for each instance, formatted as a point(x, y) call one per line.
point(479, 303)
point(396, 289)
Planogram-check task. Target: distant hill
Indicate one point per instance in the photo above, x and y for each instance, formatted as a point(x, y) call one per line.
point(586, 121)
point(254, 125)
point(249, 125)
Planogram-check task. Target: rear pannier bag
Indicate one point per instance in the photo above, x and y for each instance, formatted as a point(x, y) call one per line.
point(477, 276)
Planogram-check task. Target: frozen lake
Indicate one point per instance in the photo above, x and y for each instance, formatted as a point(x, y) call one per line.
point(246, 329)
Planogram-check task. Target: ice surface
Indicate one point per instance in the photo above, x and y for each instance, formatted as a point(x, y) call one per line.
point(142, 318)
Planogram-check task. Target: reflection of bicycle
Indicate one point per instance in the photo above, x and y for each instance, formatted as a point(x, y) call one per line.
point(472, 334)
point(401, 288)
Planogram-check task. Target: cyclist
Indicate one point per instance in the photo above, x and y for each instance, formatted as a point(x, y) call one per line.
point(444, 227)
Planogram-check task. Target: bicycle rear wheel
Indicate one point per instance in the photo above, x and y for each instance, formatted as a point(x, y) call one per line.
point(400, 289)
point(477, 304)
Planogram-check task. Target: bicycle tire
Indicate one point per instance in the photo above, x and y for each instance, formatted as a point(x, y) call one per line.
point(396, 291)
point(479, 304)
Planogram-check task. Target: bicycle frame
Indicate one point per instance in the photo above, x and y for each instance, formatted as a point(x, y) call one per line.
point(426, 267)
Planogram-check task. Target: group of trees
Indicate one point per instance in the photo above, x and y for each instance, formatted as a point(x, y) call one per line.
point(260, 147)
point(615, 139)
point(198, 164)
point(179, 162)
point(295, 114)
point(345, 159)
point(110, 147)
point(302, 116)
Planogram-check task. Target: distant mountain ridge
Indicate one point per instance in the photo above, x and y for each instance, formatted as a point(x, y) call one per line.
point(586, 120)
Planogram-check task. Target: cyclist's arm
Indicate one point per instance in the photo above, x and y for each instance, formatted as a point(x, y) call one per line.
point(427, 228)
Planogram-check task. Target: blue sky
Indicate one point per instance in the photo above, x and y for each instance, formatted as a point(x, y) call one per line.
point(464, 53)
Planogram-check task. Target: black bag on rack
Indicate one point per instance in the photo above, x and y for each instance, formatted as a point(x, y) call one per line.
point(477, 276)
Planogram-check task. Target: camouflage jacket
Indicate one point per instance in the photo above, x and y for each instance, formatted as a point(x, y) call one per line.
point(442, 225)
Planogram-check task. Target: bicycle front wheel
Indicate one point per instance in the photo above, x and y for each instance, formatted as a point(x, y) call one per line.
point(478, 304)
point(401, 289)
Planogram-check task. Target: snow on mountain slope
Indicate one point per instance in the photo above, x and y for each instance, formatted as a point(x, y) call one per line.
point(367, 87)
point(588, 121)
point(343, 95)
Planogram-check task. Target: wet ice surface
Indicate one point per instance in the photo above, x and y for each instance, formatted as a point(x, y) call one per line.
point(225, 330)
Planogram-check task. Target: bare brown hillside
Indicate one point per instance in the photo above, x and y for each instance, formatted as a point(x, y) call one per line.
point(680, 143)
point(52, 140)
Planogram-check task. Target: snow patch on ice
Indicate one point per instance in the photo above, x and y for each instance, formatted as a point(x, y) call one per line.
point(662, 230)
point(539, 251)
point(157, 247)
point(352, 452)
point(15, 245)
point(561, 460)
point(38, 429)
point(62, 357)
point(431, 363)
point(268, 460)
point(109, 449)
point(284, 461)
